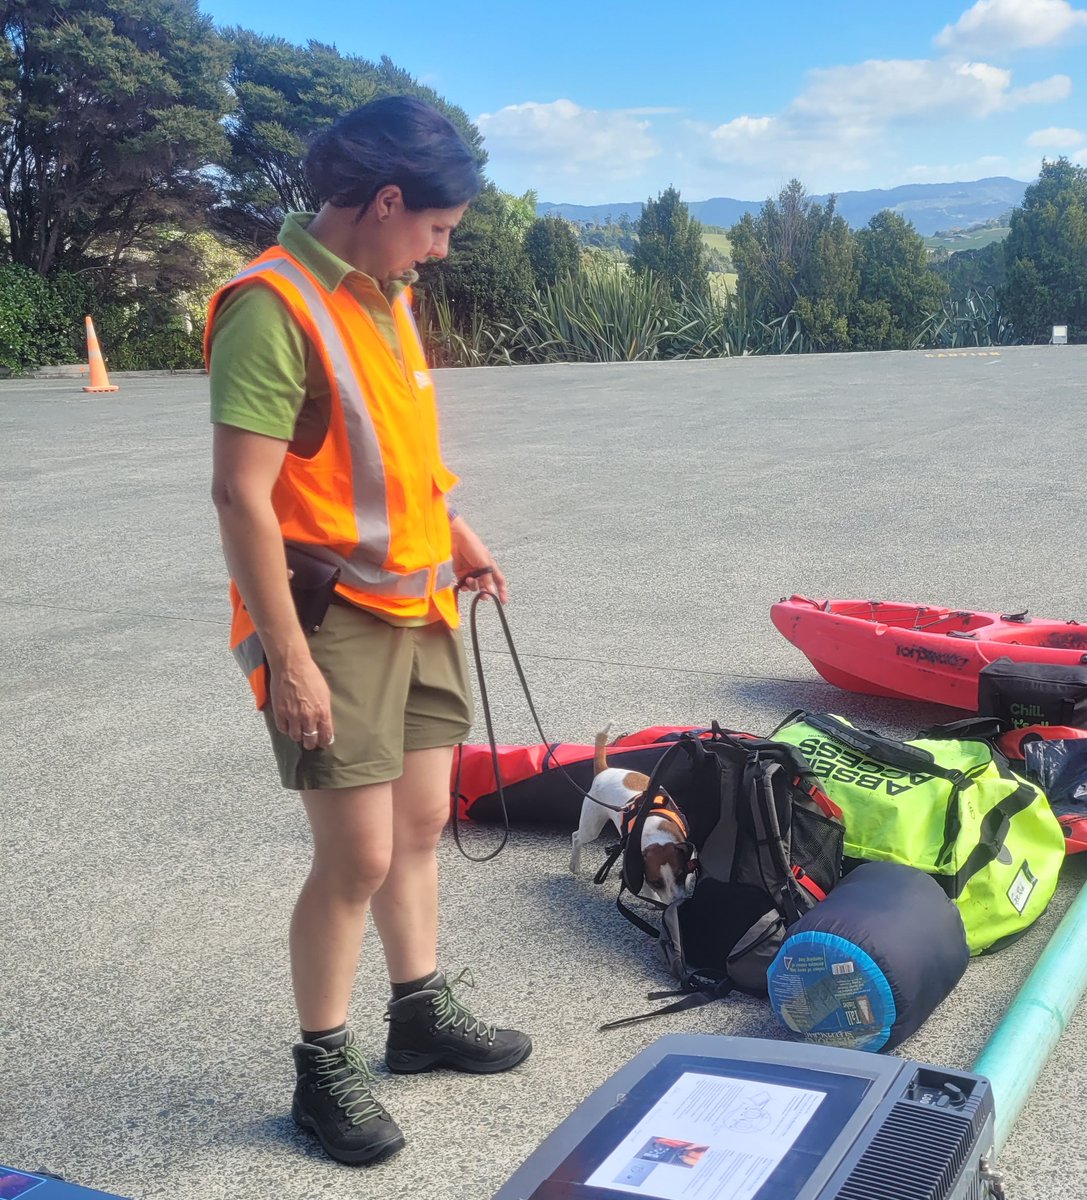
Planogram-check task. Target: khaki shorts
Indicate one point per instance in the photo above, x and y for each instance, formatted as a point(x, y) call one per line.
point(394, 688)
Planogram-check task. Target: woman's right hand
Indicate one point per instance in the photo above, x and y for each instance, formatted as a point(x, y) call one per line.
point(301, 702)
point(246, 467)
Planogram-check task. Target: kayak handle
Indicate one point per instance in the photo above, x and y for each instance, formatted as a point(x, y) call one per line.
point(961, 633)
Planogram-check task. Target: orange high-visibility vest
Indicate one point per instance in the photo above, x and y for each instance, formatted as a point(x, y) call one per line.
point(371, 500)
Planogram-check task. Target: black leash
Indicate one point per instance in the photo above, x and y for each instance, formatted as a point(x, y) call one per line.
point(485, 703)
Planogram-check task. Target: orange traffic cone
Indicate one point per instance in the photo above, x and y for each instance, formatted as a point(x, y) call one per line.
point(99, 379)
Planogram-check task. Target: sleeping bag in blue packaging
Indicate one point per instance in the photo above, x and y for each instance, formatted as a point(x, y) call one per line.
point(870, 963)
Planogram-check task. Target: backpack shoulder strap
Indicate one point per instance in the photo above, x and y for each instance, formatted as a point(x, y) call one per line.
point(633, 867)
point(885, 750)
point(689, 1000)
point(771, 850)
point(635, 920)
point(970, 729)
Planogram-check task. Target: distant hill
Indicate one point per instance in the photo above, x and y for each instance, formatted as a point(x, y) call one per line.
point(932, 207)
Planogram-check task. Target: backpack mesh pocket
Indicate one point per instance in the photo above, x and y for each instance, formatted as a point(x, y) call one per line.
point(817, 843)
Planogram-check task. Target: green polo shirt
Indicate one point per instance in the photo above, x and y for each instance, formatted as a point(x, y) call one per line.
point(265, 375)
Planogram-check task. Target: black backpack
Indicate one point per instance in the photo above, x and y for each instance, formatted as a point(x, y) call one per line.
point(768, 843)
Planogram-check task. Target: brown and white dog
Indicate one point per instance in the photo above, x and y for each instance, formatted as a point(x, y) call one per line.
point(667, 855)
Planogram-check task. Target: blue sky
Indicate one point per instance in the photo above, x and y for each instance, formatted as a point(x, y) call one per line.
point(598, 102)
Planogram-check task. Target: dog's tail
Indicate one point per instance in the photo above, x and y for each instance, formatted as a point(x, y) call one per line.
point(600, 758)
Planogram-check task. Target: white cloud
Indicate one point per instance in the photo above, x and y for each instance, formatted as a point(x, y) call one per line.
point(883, 91)
point(1002, 26)
point(1055, 138)
point(562, 138)
point(1045, 91)
point(743, 130)
point(984, 167)
point(843, 117)
point(845, 123)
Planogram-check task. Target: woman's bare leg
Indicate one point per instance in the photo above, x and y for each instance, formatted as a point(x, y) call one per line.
point(352, 846)
point(405, 907)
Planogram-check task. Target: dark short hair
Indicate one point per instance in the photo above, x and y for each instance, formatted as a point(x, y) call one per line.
point(397, 140)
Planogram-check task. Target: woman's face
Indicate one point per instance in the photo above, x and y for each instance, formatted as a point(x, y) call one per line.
point(409, 238)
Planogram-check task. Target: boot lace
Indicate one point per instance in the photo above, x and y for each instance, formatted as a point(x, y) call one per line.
point(450, 1013)
point(344, 1074)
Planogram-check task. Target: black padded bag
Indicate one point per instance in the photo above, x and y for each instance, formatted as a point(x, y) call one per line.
point(767, 850)
point(1033, 693)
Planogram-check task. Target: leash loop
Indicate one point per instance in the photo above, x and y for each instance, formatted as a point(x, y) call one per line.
point(484, 700)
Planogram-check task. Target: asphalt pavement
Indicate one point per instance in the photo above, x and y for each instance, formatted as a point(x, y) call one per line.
point(646, 515)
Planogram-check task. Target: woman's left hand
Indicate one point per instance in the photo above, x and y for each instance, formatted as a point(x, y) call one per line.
point(470, 554)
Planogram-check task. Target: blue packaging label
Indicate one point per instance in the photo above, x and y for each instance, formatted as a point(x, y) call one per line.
point(828, 990)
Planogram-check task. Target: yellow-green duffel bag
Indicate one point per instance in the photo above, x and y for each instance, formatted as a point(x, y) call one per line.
point(950, 806)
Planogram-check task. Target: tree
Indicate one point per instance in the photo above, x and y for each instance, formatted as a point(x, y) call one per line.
point(897, 289)
point(965, 271)
point(670, 245)
point(113, 109)
point(286, 94)
point(487, 273)
point(553, 250)
point(1046, 255)
point(616, 237)
point(799, 257)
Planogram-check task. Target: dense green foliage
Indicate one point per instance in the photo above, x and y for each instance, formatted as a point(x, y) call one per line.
point(1046, 255)
point(128, 130)
point(39, 318)
point(974, 319)
point(284, 96)
point(114, 108)
point(975, 270)
point(871, 290)
point(553, 250)
point(41, 324)
point(897, 289)
point(798, 256)
point(608, 314)
point(669, 244)
point(487, 273)
point(615, 237)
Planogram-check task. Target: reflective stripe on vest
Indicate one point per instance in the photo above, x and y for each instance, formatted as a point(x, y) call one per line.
point(361, 569)
point(249, 654)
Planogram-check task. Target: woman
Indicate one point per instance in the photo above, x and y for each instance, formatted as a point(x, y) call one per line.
point(326, 459)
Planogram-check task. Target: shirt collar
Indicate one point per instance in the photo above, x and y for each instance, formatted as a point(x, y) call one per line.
point(329, 269)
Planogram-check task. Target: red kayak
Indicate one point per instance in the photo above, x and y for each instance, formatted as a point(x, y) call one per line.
point(916, 651)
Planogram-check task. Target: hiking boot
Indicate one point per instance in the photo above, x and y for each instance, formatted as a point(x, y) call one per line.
point(431, 1028)
point(333, 1100)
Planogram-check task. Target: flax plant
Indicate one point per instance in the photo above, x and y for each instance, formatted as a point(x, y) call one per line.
point(971, 320)
point(604, 314)
point(475, 342)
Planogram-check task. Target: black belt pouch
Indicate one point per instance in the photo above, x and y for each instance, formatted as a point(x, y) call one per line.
point(313, 585)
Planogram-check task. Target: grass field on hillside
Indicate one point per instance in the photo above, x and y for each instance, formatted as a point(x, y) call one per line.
point(968, 239)
point(717, 240)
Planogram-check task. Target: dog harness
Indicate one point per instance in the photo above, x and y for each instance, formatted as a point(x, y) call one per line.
point(662, 805)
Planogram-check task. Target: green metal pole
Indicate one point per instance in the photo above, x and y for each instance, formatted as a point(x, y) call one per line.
point(1015, 1055)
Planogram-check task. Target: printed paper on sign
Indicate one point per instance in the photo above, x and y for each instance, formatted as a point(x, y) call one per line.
point(708, 1135)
